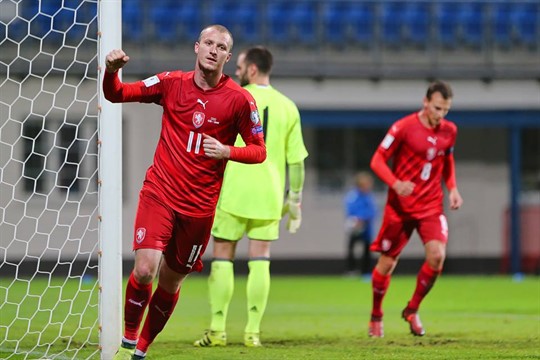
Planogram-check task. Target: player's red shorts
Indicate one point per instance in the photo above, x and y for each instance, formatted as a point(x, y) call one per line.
point(182, 239)
point(394, 235)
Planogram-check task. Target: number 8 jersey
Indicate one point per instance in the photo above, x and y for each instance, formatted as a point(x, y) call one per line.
point(423, 156)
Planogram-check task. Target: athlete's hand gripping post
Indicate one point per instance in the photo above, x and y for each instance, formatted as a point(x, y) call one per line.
point(292, 207)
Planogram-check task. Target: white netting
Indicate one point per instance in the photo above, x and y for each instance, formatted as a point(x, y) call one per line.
point(48, 179)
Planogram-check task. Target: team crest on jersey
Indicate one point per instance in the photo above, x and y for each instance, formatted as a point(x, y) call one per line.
point(198, 119)
point(431, 152)
point(254, 116)
point(386, 244)
point(140, 234)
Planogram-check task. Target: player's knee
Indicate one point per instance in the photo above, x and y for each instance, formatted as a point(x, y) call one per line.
point(436, 260)
point(386, 265)
point(144, 273)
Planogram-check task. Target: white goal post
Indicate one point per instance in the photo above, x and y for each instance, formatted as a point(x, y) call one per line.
point(60, 181)
point(110, 195)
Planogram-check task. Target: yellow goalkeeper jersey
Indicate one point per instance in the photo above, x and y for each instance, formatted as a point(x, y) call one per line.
point(257, 191)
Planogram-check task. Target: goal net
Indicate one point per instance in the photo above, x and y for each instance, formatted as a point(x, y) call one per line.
point(50, 221)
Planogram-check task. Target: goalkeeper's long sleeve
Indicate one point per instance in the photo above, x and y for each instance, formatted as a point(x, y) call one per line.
point(296, 176)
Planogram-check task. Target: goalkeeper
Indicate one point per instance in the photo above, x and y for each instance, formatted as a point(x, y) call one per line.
point(251, 201)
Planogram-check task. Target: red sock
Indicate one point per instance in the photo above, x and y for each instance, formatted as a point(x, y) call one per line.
point(159, 312)
point(425, 280)
point(137, 297)
point(379, 284)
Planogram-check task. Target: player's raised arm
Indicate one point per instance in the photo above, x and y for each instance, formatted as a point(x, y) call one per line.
point(116, 91)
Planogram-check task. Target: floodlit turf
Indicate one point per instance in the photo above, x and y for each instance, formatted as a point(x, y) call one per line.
point(326, 318)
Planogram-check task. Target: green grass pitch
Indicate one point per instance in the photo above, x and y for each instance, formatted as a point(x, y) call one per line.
point(466, 317)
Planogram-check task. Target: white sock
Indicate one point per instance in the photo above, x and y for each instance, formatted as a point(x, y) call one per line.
point(140, 353)
point(128, 341)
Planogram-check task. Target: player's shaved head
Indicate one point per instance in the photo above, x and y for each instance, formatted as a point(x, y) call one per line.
point(439, 87)
point(220, 28)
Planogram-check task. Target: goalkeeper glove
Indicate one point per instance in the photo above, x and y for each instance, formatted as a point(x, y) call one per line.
point(292, 207)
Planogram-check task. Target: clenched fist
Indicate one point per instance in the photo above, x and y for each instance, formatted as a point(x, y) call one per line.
point(115, 60)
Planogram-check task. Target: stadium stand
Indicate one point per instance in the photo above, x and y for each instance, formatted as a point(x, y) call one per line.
point(347, 22)
point(133, 21)
point(449, 23)
point(416, 23)
point(399, 22)
point(303, 22)
point(501, 24)
point(480, 28)
point(524, 18)
point(361, 17)
point(391, 20)
point(240, 18)
point(471, 20)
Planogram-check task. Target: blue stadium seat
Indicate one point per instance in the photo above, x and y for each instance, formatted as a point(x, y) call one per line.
point(278, 21)
point(471, 18)
point(391, 23)
point(249, 19)
point(50, 7)
point(132, 21)
point(347, 22)
point(241, 17)
point(524, 17)
point(189, 16)
point(303, 21)
point(17, 30)
point(54, 19)
point(63, 19)
point(416, 23)
point(164, 22)
point(334, 22)
point(447, 24)
point(86, 12)
point(361, 17)
point(41, 25)
point(29, 9)
point(500, 24)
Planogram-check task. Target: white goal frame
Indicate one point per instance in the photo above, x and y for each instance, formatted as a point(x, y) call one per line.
point(60, 216)
point(110, 187)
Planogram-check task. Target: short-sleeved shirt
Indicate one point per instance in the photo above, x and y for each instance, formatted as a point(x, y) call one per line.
point(256, 191)
point(419, 155)
point(181, 174)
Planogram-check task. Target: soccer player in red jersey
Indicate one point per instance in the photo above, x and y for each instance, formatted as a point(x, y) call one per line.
point(203, 112)
point(421, 147)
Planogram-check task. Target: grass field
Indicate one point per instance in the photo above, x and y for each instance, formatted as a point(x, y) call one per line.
point(326, 318)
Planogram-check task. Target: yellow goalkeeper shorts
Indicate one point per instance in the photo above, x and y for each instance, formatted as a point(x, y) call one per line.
point(231, 227)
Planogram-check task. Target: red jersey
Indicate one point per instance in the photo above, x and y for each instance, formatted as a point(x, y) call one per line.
point(423, 156)
point(181, 175)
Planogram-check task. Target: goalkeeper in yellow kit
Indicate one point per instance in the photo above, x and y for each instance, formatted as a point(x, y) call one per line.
point(251, 201)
